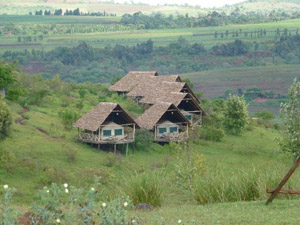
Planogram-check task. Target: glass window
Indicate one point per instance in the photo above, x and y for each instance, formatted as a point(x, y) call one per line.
point(173, 129)
point(106, 132)
point(189, 117)
point(162, 130)
point(118, 132)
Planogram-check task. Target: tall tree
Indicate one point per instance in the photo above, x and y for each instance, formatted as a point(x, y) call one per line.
point(290, 113)
point(235, 114)
point(6, 76)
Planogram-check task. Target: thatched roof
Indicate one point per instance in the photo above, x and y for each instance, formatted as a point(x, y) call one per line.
point(130, 80)
point(102, 113)
point(156, 112)
point(135, 78)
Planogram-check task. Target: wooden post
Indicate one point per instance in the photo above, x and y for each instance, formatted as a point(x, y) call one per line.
point(155, 127)
point(126, 149)
point(133, 133)
point(98, 146)
point(284, 180)
point(115, 148)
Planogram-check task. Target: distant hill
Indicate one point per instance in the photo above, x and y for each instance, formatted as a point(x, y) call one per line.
point(19, 7)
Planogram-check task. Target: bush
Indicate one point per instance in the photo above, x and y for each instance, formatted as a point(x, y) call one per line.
point(5, 119)
point(112, 159)
point(71, 155)
point(145, 187)
point(143, 139)
point(211, 134)
point(68, 117)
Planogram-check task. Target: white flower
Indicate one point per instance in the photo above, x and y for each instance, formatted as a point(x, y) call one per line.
point(47, 191)
point(179, 221)
point(133, 221)
point(57, 220)
point(125, 204)
point(5, 186)
point(92, 189)
point(103, 204)
point(67, 191)
point(65, 185)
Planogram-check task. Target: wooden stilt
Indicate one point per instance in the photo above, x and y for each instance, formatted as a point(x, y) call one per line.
point(284, 180)
point(126, 149)
point(115, 148)
point(98, 146)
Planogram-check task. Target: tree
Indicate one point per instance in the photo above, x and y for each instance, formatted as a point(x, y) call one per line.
point(290, 112)
point(68, 117)
point(6, 76)
point(235, 114)
point(5, 119)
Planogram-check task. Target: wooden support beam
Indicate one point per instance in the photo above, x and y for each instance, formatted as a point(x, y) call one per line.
point(284, 180)
point(126, 149)
point(115, 148)
point(287, 191)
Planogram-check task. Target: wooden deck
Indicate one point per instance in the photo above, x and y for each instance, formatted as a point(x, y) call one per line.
point(174, 137)
point(95, 139)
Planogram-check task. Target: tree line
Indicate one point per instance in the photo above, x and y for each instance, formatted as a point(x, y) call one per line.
point(159, 20)
point(85, 63)
point(75, 12)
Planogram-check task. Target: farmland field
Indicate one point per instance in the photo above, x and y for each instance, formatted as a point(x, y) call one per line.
point(130, 37)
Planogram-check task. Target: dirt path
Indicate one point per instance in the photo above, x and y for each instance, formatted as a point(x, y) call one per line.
point(20, 120)
point(23, 118)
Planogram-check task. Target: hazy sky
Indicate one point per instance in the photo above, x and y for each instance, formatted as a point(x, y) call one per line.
point(202, 3)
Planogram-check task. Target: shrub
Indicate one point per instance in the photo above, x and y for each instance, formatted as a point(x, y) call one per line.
point(7, 160)
point(211, 134)
point(146, 187)
point(71, 155)
point(68, 117)
point(5, 119)
point(8, 214)
point(143, 139)
point(112, 159)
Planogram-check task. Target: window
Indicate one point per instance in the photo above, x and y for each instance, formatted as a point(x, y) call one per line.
point(118, 132)
point(162, 130)
point(106, 132)
point(173, 129)
point(189, 117)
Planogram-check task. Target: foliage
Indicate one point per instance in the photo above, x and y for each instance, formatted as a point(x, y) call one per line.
point(290, 112)
point(5, 119)
point(211, 134)
point(189, 164)
point(146, 187)
point(68, 117)
point(143, 139)
point(235, 114)
point(8, 214)
point(6, 75)
point(265, 115)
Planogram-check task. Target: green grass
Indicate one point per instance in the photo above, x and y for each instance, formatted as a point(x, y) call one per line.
point(241, 213)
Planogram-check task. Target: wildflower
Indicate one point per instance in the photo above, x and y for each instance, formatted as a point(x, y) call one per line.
point(67, 191)
point(92, 189)
point(179, 221)
point(57, 220)
point(65, 185)
point(103, 204)
point(125, 204)
point(133, 221)
point(47, 191)
point(5, 186)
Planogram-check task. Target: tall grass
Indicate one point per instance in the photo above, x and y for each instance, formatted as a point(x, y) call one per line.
point(146, 187)
point(245, 185)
